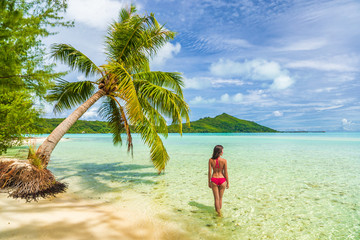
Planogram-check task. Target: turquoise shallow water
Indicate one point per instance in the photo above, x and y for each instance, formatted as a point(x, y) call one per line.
point(282, 186)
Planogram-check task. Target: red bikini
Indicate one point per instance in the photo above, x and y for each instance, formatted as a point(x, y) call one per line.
point(218, 181)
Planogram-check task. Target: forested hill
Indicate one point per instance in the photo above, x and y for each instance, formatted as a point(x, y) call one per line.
point(223, 123)
point(46, 125)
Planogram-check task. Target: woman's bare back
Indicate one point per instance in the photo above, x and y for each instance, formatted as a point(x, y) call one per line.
point(218, 168)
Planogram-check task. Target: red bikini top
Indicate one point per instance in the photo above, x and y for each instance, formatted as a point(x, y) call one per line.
point(217, 165)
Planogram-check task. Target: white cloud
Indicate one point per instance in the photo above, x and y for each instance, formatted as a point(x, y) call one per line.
point(257, 69)
point(208, 82)
point(228, 68)
point(236, 42)
point(282, 82)
point(327, 89)
point(321, 65)
point(254, 98)
point(277, 113)
point(95, 13)
point(197, 82)
point(168, 51)
point(90, 114)
point(345, 121)
point(47, 107)
point(264, 70)
point(214, 41)
point(81, 78)
point(225, 98)
point(348, 125)
point(200, 100)
point(328, 108)
point(238, 97)
point(305, 45)
point(222, 82)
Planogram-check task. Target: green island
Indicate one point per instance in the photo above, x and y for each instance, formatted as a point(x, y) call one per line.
point(223, 123)
point(219, 124)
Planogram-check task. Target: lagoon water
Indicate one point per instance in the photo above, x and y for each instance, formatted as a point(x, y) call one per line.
point(282, 186)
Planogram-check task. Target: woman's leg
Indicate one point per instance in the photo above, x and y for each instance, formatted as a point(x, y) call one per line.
point(221, 193)
point(216, 197)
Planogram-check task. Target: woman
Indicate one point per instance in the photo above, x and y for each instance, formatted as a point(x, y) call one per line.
point(219, 179)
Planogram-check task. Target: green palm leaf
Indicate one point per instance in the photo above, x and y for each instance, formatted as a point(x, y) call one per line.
point(158, 153)
point(125, 90)
point(125, 14)
point(67, 95)
point(124, 40)
point(172, 80)
point(156, 37)
point(114, 115)
point(75, 59)
point(154, 117)
point(165, 101)
point(134, 39)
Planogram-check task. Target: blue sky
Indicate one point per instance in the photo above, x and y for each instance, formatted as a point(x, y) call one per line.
point(289, 65)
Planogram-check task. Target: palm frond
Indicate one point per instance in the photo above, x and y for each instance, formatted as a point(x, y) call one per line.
point(154, 117)
point(67, 95)
point(165, 101)
point(113, 114)
point(75, 59)
point(134, 39)
point(125, 14)
point(156, 37)
point(124, 41)
point(126, 125)
point(171, 80)
point(158, 153)
point(125, 90)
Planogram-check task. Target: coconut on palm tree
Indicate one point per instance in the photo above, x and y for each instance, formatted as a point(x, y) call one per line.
point(133, 95)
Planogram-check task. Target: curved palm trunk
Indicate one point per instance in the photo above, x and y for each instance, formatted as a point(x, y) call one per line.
point(45, 150)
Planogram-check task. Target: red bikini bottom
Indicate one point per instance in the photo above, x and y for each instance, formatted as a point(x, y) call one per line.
point(218, 181)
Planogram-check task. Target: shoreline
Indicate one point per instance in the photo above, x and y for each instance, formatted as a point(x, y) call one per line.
point(73, 218)
point(39, 140)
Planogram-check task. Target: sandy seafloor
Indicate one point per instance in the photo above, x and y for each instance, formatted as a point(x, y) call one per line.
point(282, 186)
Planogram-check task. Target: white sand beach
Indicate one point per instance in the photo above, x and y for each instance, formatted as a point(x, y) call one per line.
point(71, 218)
point(39, 140)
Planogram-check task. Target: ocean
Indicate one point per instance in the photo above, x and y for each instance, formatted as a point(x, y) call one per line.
point(282, 185)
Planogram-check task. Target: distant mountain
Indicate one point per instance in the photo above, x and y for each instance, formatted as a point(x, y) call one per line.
point(223, 123)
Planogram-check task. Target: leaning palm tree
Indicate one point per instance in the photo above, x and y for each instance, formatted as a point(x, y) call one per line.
point(133, 95)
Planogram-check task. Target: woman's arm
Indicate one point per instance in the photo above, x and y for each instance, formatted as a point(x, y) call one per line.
point(209, 175)
point(226, 174)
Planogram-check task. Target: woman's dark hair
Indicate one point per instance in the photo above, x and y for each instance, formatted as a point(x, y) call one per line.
point(217, 151)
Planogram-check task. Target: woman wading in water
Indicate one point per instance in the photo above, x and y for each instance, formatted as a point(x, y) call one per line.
point(219, 179)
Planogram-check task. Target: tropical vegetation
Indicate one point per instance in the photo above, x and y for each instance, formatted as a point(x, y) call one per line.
point(47, 125)
point(24, 75)
point(133, 94)
point(24, 79)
